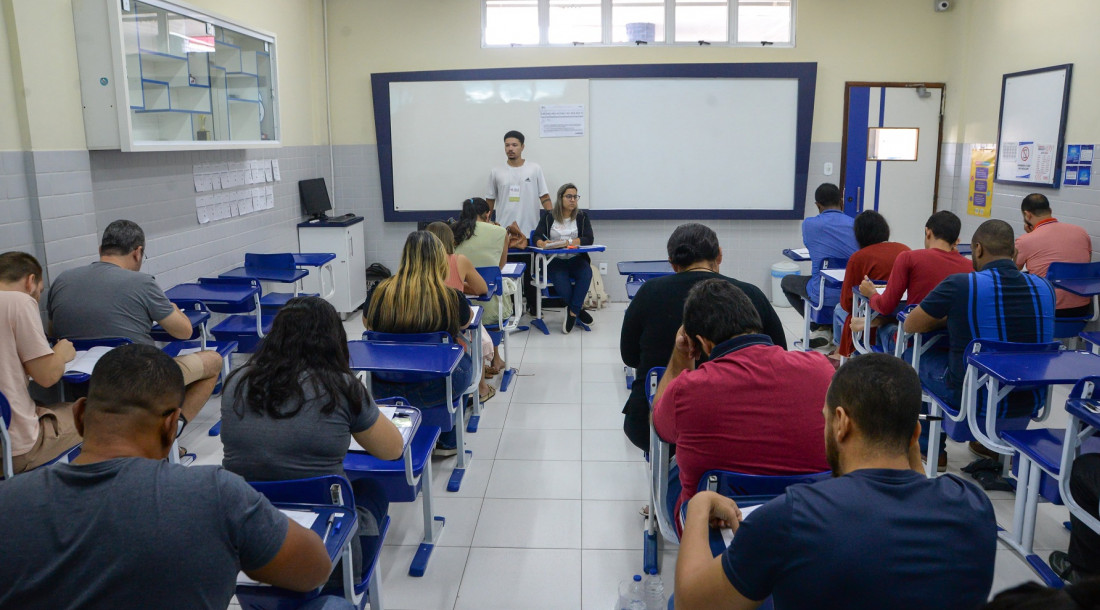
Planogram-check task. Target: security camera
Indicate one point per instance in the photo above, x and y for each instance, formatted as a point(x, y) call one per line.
point(941, 5)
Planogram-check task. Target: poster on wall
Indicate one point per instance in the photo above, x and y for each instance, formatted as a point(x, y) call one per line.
point(1079, 165)
point(980, 199)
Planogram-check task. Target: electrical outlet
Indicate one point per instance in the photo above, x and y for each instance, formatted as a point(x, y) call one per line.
point(603, 268)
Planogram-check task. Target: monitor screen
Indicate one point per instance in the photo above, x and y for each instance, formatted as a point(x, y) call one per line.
point(314, 194)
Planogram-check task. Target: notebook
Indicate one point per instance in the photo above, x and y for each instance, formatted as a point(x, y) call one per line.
point(85, 360)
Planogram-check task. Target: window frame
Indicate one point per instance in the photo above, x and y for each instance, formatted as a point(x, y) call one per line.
point(606, 7)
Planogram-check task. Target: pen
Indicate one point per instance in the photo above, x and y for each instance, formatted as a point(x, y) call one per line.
point(923, 417)
point(328, 527)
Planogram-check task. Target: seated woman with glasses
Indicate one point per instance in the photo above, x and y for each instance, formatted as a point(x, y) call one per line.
point(292, 410)
point(567, 226)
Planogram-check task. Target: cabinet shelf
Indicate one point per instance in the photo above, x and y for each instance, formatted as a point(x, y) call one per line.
point(175, 75)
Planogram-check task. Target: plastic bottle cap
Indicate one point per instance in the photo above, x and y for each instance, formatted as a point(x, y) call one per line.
point(653, 571)
point(637, 578)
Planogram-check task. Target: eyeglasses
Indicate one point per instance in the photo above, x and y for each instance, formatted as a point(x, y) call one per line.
point(572, 197)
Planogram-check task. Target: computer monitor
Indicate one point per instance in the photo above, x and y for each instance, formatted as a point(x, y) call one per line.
point(314, 195)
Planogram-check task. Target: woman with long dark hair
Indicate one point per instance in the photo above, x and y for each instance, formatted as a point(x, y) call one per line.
point(290, 412)
point(417, 299)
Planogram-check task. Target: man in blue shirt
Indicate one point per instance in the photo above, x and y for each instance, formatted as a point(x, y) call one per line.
point(873, 537)
point(997, 302)
point(827, 235)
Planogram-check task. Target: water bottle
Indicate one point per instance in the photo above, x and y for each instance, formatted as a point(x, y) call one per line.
point(631, 594)
point(655, 598)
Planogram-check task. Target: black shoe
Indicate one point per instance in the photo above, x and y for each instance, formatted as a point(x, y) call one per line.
point(568, 323)
point(584, 316)
point(1059, 562)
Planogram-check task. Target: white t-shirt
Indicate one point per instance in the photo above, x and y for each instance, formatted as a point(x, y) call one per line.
point(517, 191)
point(564, 230)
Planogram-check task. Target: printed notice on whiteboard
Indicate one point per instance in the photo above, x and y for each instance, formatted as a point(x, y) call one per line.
point(561, 120)
point(1024, 160)
point(1044, 162)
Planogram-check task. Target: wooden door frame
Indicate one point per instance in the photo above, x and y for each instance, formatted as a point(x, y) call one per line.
point(939, 136)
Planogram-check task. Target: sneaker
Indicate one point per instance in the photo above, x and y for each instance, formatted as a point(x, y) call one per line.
point(585, 317)
point(568, 323)
point(1059, 562)
point(982, 451)
point(820, 338)
point(445, 449)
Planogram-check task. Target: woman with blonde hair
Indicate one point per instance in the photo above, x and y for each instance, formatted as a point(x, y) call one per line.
point(417, 299)
point(567, 226)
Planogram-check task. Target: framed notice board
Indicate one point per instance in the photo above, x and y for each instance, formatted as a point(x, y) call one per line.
point(1031, 132)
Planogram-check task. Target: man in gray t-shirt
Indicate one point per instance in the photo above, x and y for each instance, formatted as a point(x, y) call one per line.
point(121, 528)
point(113, 298)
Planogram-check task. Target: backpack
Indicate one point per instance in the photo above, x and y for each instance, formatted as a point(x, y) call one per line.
point(597, 297)
point(375, 274)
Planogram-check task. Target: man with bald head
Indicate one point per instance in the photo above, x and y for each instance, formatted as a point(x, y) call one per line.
point(120, 527)
point(995, 302)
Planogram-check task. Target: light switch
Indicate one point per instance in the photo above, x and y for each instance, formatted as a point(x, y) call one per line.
point(828, 169)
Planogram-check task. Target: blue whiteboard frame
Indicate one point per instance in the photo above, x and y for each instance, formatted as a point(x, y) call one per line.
point(804, 72)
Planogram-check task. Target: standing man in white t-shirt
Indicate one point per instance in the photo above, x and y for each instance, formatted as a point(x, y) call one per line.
point(515, 192)
point(517, 189)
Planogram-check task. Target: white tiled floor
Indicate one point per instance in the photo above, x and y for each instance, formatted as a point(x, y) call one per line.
point(548, 511)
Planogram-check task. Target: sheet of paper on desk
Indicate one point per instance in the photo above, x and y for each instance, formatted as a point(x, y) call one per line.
point(85, 360)
point(304, 518)
point(388, 413)
point(727, 534)
point(190, 350)
point(510, 268)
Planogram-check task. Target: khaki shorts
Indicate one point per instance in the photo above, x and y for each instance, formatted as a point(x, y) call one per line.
point(191, 365)
point(56, 435)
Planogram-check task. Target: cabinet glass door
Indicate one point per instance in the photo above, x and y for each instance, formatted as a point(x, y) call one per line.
point(190, 80)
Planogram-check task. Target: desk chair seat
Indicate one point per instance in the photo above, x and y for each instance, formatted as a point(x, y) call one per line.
point(277, 300)
point(325, 490)
point(241, 328)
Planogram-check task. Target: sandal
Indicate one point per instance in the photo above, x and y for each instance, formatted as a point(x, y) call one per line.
point(485, 397)
point(491, 372)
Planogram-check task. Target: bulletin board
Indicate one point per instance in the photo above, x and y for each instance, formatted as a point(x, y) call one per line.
point(1031, 132)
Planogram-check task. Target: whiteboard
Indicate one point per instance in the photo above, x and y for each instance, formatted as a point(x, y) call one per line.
point(694, 143)
point(660, 141)
point(448, 135)
point(1032, 127)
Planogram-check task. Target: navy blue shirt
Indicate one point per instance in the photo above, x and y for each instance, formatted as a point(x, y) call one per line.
point(999, 303)
point(869, 539)
point(827, 235)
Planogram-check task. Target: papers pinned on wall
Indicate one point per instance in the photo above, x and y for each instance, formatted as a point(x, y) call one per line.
point(222, 195)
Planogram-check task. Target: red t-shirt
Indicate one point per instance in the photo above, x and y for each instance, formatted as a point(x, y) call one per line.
point(753, 409)
point(875, 261)
point(919, 272)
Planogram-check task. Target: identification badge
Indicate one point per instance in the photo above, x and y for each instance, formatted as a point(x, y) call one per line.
point(513, 193)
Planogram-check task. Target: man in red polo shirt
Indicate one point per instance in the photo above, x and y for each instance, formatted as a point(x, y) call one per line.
point(1048, 241)
point(752, 407)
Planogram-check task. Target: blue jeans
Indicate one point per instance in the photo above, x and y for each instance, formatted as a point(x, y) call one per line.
point(577, 269)
point(887, 336)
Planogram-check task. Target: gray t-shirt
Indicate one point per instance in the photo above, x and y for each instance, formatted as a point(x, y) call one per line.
point(131, 533)
point(309, 444)
point(105, 300)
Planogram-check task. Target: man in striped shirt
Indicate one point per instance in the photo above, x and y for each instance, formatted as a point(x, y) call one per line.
point(997, 302)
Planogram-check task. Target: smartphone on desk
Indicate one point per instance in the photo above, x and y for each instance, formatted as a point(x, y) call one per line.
point(402, 420)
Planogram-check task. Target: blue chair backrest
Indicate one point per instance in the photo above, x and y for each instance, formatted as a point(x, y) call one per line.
point(1085, 387)
point(833, 262)
point(315, 490)
point(5, 410)
point(86, 344)
point(492, 276)
point(735, 484)
point(380, 337)
point(1062, 271)
point(269, 261)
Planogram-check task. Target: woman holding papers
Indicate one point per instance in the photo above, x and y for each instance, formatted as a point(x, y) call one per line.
point(566, 226)
point(291, 412)
point(417, 299)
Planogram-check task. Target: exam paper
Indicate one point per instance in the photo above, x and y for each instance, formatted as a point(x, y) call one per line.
point(85, 360)
point(727, 533)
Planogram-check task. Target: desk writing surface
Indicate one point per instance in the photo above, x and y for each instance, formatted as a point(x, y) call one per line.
point(404, 357)
point(406, 419)
point(313, 259)
point(797, 254)
point(1048, 368)
point(513, 270)
point(1080, 408)
point(577, 250)
point(475, 317)
point(1085, 287)
point(229, 294)
point(284, 276)
point(833, 276)
point(646, 269)
point(315, 517)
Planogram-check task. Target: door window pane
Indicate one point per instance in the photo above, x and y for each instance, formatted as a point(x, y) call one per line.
point(892, 143)
point(511, 22)
point(764, 20)
point(575, 21)
point(633, 20)
point(702, 20)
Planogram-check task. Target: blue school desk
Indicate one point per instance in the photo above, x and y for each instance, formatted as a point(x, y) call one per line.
point(645, 270)
point(795, 255)
point(234, 295)
point(543, 256)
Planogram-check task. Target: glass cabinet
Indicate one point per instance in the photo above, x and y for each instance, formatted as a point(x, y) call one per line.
point(190, 80)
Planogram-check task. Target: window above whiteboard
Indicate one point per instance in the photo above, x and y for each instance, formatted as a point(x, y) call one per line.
point(637, 22)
